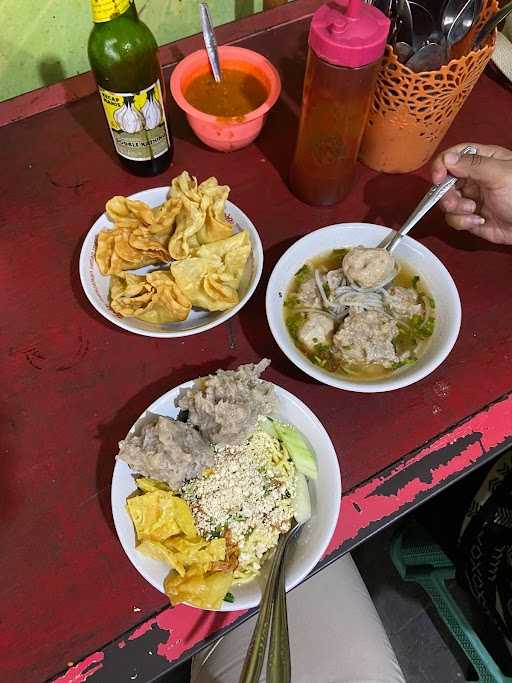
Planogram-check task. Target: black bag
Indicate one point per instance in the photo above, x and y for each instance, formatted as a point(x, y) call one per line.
point(484, 556)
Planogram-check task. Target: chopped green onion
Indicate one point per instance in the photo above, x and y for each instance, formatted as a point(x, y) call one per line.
point(290, 301)
point(229, 597)
point(303, 274)
point(426, 328)
point(294, 323)
point(340, 252)
point(402, 363)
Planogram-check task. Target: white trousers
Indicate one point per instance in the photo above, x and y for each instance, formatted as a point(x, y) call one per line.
point(336, 635)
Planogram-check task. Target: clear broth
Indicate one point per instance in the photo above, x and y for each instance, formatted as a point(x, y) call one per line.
point(326, 360)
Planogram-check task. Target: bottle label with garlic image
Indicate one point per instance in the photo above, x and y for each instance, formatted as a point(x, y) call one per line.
point(137, 122)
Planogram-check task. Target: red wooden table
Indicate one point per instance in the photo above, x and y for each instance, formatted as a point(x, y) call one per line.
point(73, 383)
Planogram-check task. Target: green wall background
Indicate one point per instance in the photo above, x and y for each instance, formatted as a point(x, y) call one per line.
point(44, 41)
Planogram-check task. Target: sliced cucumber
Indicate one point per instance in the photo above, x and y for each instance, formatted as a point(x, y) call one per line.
point(267, 425)
point(301, 501)
point(301, 454)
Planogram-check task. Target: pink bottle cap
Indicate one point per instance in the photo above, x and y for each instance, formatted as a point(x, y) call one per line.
point(348, 33)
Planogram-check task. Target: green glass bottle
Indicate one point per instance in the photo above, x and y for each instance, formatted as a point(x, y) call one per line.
point(123, 57)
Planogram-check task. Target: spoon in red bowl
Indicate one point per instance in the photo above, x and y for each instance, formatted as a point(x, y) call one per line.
point(210, 41)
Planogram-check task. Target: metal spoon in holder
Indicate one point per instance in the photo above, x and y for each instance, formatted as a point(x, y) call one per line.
point(490, 25)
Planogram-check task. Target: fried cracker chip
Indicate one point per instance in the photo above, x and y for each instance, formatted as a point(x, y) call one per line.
point(165, 531)
point(197, 551)
point(205, 283)
point(158, 551)
point(185, 185)
point(136, 257)
point(147, 484)
point(155, 298)
point(196, 588)
point(157, 515)
point(182, 553)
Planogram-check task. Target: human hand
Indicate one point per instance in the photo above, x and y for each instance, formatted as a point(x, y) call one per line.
point(482, 200)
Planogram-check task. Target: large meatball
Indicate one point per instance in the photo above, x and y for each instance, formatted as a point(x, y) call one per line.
point(367, 337)
point(368, 267)
point(317, 329)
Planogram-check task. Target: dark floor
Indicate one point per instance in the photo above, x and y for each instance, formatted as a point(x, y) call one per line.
point(422, 645)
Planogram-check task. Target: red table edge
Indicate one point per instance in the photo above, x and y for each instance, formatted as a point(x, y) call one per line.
point(365, 510)
point(75, 88)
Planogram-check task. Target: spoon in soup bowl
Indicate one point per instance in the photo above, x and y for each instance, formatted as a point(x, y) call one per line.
point(435, 193)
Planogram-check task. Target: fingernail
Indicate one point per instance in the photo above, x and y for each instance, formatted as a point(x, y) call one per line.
point(469, 205)
point(451, 158)
point(476, 220)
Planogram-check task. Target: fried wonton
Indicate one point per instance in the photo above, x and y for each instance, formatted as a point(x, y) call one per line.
point(189, 222)
point(155, 297)
point(164, 219)
point(133, 214)
point(201, 219)
point(115, 251)
point(128, 213)
point(215, 226)
point(211, 278)
point(140, 235)
point(234, 252)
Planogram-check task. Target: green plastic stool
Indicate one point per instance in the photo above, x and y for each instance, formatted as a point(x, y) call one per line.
point(419, 559)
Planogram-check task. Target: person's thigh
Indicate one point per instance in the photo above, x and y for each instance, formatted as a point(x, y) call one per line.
point(336, 635)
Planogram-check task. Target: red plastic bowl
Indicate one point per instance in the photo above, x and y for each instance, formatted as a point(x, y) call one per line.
point(231, 132)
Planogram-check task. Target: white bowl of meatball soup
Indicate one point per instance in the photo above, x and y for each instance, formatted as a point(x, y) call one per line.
point(353, 316)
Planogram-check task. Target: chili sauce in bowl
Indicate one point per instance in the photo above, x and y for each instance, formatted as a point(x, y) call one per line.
point(228, 115)
point(237, 94)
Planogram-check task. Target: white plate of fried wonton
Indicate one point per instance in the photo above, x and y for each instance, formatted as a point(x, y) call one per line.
point(97, 286)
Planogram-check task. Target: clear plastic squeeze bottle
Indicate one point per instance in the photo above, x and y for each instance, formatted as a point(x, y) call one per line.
point(346, 42)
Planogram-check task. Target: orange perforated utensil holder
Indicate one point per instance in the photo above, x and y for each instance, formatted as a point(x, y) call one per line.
point(411, 112)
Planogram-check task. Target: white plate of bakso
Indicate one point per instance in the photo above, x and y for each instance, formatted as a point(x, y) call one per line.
point(186, 458)
point(351, 315)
